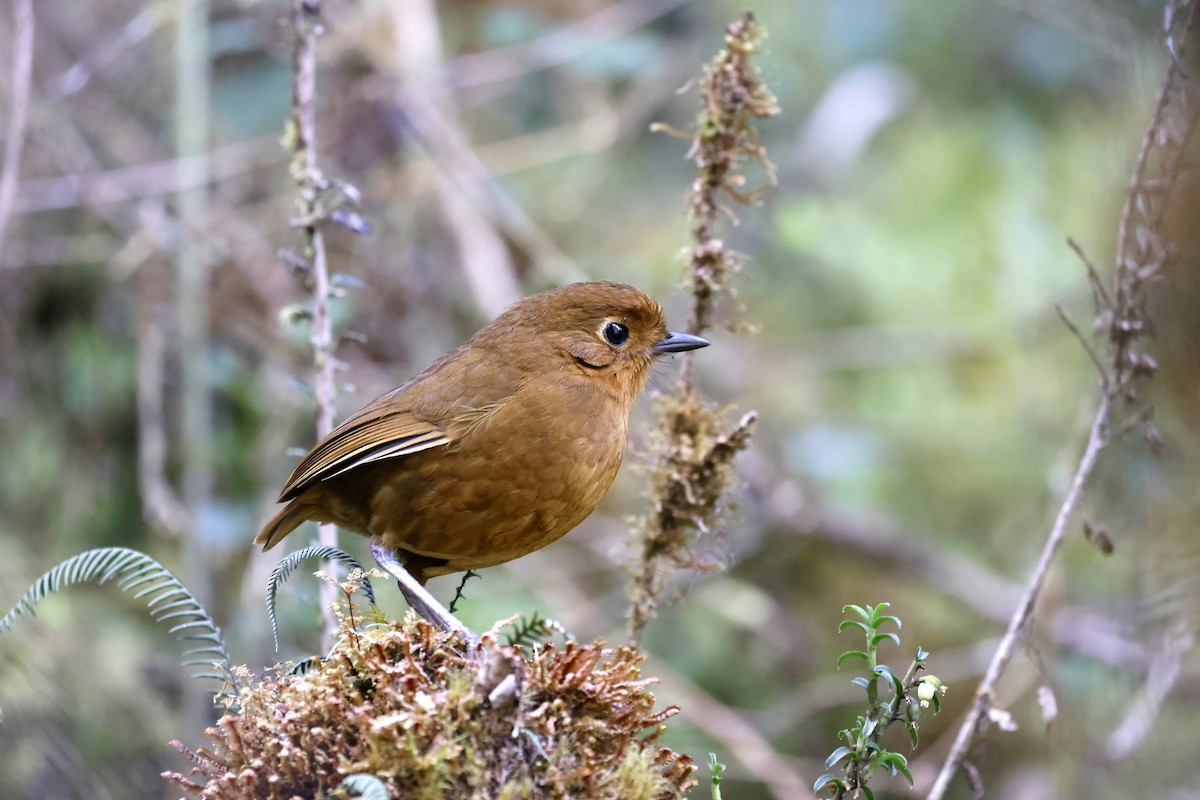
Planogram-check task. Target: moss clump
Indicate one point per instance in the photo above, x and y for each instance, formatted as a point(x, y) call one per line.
point(410, 705)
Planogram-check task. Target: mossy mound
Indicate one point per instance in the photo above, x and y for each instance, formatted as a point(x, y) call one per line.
point(410, 706)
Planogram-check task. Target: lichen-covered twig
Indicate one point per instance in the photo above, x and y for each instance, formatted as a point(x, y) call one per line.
point(1143, 252)
point(692, 452)
point(306, 26)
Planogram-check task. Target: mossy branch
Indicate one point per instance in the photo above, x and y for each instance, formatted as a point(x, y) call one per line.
point(406, 705)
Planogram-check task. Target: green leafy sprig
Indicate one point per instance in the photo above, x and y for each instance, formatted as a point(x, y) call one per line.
point(890, 698)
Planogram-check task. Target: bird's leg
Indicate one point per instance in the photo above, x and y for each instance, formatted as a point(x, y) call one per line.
point(419, 597)
point(458, 593)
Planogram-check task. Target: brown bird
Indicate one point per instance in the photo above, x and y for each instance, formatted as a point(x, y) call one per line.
point(500, 447)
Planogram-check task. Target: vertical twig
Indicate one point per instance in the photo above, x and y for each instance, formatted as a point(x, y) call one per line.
point(162, 507)
point(1141, 256)
point(306, 27)
point(18, 110)
point(191, 286)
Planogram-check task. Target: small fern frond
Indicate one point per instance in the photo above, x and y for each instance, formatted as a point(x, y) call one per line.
point(303, 666)
point(133, 571)
point(284, 568)
point(368, 787)
point(531, 630)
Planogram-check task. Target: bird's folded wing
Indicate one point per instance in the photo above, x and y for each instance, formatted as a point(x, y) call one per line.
point(371, 435)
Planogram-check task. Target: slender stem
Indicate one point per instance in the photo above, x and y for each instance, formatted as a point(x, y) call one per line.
point(982, 700)
point(192, 276)
point(306, 26)
point(18, 110)
point(1126, 307)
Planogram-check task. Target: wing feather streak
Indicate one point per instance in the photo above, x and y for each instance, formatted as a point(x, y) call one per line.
point(361, 440)
point(379, 432)
point(404, 447)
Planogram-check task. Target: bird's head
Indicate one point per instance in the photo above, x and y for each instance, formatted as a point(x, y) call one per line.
point(611, 332)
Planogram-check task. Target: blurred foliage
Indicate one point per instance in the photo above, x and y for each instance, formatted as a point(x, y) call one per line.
point(920, 403)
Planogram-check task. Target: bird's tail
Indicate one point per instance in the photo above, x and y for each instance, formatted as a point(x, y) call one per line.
point(293, 516)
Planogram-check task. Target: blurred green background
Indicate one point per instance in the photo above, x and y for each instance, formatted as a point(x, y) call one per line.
point(922, 406)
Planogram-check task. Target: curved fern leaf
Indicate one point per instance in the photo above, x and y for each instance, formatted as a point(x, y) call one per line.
point(284, 568)
point(368, 787)
point(133, 571)
point(303, 666)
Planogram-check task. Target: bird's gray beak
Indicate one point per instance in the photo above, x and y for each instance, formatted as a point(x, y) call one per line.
point(678, 343)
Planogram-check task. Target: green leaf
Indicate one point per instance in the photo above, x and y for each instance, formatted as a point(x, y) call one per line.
point(849, 654)
point(887, 618)
point(826, 780)
point(867, 793)
point(879, 637)
point(869, 727)
point(884, 671)
point(862, 682)
point(365, 786)
point(862, 612)
point(875, 612)
point(922, 654)
point(837, 755)
point(854, 623)
point(912, 735)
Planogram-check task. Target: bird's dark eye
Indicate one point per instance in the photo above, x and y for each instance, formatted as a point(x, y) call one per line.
point(616, 334)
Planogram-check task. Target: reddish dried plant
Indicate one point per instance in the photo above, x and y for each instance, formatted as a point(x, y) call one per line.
point(410, 706)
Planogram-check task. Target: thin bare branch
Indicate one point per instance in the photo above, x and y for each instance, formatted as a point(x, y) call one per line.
point(18, 111)
point(1087, 346)
point(429, 129)
point(977, 714)
point(162, 507)
point(150, 179)
point(131, 34)
point(1164, 672)
point(1122, 316)
point(1100, 299)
